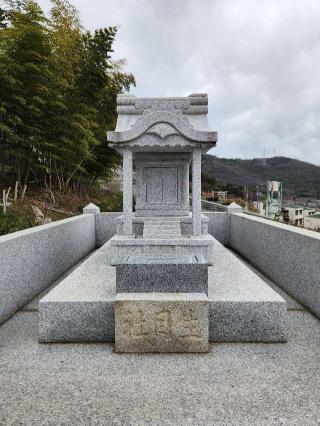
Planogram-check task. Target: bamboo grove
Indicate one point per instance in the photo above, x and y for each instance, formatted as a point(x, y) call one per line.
point(58, 88)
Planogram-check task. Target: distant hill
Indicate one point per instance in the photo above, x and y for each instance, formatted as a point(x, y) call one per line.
point(299, 179)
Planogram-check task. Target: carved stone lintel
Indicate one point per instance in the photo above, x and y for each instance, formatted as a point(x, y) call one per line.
point(178, 106)
point(190, 105)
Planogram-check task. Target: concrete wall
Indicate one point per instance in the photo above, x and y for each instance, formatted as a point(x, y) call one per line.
point(31, 260)
point(218, 226)
point(106, 226)
point(289, 256)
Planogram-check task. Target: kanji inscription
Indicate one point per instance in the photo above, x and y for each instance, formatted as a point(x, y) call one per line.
point(161, 326)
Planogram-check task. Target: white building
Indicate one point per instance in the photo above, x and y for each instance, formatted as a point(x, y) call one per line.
point(312, 219)
point(293, 215)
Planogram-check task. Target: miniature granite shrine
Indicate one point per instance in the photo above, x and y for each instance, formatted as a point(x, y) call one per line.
point(162, 136)
point(161, 250)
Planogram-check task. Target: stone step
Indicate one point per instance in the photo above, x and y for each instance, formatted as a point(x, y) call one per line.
point(162, 219)
point(162, 236)
point(161, 224)
point(177, 234)
point(177, 225)
point(162, 228)
point(167, 229)
point(161, 231)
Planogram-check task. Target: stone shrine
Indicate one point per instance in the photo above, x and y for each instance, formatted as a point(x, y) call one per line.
point(162, 137)
point(159, 282)
point(162, 250)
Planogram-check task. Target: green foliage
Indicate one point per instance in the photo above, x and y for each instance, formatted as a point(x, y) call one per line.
point(58, 89)
point(15, 220)
point(111, 203)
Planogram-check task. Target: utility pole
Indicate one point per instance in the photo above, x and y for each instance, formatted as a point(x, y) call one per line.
point(246, 196)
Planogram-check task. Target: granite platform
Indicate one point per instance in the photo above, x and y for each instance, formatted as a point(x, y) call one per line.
point(242, 307)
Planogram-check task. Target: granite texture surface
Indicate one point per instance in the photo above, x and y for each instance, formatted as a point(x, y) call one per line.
point(161, 322)
point(162, 184)
point(32, 259)
point(292, 304)
point(81, 307)
point(106, 226)
point(165, 228)
point(289, 256)
point(242, 307)
point(218, 226)
point(195, 246)
point(161, 139)
point(186, 275)
point(33, 305)
point(164, 118)
point(109, 224)
point(127, 170)
point(255, 311)
point(138, 224)
point(91, 209)
point(234, 384)
point(196, 192)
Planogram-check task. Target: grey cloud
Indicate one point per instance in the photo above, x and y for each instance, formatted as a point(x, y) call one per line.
point(257, 59)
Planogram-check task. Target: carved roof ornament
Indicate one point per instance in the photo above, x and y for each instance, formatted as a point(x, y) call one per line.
point(147, 106)
point(163, 122)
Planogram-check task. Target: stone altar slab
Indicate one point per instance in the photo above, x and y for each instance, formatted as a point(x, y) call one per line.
point(122, 247)
point(158, 322)
point(181, 274)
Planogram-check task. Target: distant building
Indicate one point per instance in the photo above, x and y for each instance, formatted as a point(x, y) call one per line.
point(214, 195)
point(308, 212)
point(293, 215)
point(260, 206)
point(312, 220)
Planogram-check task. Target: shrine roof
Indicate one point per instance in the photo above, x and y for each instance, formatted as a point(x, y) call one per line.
point(162, 118)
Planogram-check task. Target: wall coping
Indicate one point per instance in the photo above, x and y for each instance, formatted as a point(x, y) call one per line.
point(40, 228)
point(284, 226)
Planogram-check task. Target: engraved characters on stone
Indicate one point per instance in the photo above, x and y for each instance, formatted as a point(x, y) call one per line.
point(160, 324)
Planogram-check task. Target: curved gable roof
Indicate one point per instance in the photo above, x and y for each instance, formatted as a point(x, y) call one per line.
point(146, 122)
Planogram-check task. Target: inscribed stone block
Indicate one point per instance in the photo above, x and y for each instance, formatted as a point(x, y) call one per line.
point(161, 322)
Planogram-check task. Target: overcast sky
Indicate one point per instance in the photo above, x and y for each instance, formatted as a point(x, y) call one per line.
point(258, 60)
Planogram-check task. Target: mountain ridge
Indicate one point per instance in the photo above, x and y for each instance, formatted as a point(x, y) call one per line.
point(299, 178)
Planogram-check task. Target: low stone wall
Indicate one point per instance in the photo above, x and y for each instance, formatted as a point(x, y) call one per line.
point(31, 260)
point(106, 226)
point(289, 256)
point(218, 226)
